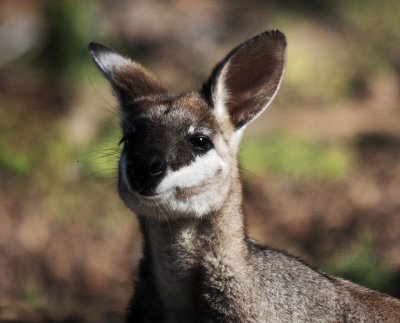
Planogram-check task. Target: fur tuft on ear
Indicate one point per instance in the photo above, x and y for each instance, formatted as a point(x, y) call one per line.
point(246, 81)
point(129, 80)
point(107, 60)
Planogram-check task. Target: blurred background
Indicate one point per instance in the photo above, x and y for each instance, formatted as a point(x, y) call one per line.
point(321, 167)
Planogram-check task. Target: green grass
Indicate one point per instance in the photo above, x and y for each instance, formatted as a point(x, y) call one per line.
point(295, 159)
point(14, 160)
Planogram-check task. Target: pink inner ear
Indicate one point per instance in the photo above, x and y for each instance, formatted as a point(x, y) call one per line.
point(252, 78)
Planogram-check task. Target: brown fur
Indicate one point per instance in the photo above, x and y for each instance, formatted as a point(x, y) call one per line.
point(198, 265)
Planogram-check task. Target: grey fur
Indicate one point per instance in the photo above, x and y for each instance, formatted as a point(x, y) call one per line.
point(201, 267)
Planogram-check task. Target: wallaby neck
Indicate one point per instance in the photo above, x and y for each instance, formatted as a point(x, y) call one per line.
point(177, 250)
point(223, 228)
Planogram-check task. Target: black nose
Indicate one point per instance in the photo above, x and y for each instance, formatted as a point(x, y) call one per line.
point(156, 165)
point(145, 170)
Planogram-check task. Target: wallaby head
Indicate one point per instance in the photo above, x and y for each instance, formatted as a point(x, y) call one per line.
point(180, 151)
point(179, 160)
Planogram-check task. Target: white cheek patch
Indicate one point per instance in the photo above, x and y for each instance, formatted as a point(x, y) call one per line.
point(208, 175)
point(199, 204)
point(203, 168)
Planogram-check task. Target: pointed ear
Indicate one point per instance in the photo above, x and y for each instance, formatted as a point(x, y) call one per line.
point(129, 80)
point(244, 83)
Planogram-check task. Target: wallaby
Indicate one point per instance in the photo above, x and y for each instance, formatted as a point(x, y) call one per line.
point(178, 172)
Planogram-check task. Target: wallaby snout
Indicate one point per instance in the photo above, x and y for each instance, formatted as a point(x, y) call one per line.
point(144, 170)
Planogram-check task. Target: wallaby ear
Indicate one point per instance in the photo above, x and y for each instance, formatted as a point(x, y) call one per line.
point(245, 82)
point(129, 80)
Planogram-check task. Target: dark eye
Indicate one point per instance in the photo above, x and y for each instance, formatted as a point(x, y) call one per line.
point(201, 142)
